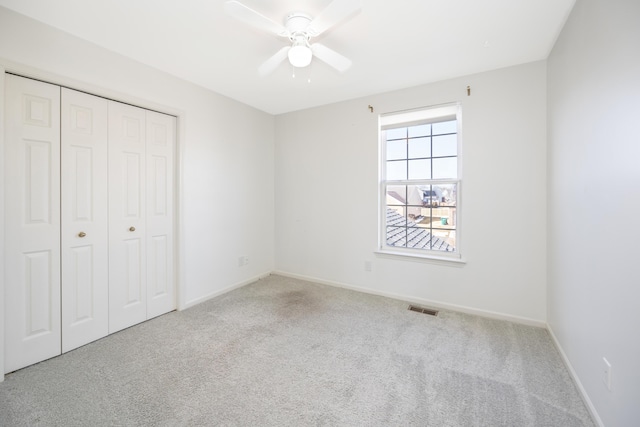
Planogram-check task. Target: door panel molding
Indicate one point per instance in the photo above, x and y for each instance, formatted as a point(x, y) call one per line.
point(32, 225)
point(85, 281)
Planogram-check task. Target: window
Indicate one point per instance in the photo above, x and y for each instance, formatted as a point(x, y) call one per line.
point(420, 182)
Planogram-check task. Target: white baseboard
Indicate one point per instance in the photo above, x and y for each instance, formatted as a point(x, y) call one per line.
point(432, 303)
point(207, 297)
point(576, 380)
point(407, 298)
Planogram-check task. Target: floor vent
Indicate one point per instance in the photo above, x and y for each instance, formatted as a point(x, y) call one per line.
point(429, 311)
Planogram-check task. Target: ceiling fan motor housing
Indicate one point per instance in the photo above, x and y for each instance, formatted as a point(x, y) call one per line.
point(296, 23)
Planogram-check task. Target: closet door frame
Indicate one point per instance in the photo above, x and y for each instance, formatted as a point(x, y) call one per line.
point(2, 239)
point(178, 245)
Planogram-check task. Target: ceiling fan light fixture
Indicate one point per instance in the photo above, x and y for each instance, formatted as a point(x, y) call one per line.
point(300, 54)
point(299, 28)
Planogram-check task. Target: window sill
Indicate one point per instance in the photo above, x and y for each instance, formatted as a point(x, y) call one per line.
point(441, 260)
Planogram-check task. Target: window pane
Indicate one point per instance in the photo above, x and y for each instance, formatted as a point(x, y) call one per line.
point(420, 169)
point(422, 216)
point(397, 170)
point(414, 215)
point(443, 218)
point(396, 195)
point(418, 238)
point(397, 149)
point(445, 168)
point(422, 130)
point(444, 240)
point(419, 147)
point(398, 133)
point(449, 194)
point(423, 220)
point(446, 145)
point(431, 195)
point(397, 236)
point(414, 195)
point(445, 127)
point(396, 216)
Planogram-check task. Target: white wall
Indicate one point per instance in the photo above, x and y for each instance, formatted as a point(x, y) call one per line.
point(594, 202)
point(227, 148)
point(327, 192)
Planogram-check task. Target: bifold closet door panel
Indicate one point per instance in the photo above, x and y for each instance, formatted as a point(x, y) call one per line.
point(85, 268)
point(161, 137)
point(127, 211)
point(32, 222)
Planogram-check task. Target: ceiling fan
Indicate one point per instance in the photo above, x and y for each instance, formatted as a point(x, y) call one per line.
point(299, 28)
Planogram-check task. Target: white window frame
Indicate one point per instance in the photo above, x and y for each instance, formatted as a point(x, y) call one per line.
point(409, 118)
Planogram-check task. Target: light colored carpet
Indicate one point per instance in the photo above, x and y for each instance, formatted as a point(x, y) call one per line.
point(283, 352)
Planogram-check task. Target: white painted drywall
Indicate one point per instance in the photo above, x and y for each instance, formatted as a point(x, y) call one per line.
point(594, 202)
point(327, 191)
point(227, 192)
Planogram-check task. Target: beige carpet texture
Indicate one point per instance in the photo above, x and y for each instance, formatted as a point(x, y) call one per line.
point(285, 352)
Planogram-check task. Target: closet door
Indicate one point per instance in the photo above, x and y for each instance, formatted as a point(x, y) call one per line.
point(85, 284)
point(32, 222)
point(127, 210)
point(160, 278)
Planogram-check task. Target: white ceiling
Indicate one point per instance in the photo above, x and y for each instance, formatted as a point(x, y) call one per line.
point(393, 44)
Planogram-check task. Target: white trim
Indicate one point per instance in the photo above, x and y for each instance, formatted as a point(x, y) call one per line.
point(454, 261)
point(576, 380)
point(180, 275)
point(451, 111)
point(211, 295)
point(92, 89)
point(419, 115)
point(2, 79)
point(436, 304)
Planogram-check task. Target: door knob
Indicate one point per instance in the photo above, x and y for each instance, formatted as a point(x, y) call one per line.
point(132, 229)
point(82, 234)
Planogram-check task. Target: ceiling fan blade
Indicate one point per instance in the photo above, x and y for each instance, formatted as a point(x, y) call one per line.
point(255, 19)
point(330, 57)
point(336, 12)
point(272, 63)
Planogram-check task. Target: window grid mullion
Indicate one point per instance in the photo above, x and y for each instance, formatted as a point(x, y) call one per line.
point(431, 158)
point(432, 195)
point(406, 150)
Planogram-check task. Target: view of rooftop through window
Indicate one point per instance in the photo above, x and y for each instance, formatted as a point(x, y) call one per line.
point(421, 185)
